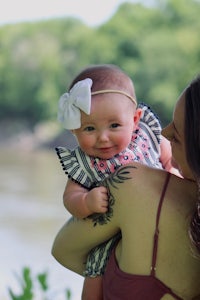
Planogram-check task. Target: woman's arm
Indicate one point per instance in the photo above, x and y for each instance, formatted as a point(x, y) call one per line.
point(78, 236)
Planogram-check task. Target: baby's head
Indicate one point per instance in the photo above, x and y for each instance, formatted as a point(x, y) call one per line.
point(100, 109)
point(106, 77)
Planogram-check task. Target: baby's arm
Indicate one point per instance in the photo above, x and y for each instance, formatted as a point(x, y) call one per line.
point(81, 203)
point(166, 157)
point(165, 153)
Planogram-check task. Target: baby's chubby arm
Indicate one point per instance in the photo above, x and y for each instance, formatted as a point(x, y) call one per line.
point(81, 203)
point(166, 157)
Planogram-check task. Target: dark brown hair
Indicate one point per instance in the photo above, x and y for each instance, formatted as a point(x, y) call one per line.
point(192, 146)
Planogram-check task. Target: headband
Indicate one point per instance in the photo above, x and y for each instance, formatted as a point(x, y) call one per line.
point(116, 92)
point(79, 98)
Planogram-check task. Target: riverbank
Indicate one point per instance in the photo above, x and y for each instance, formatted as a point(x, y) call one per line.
point(46, 135)
point(32, 212)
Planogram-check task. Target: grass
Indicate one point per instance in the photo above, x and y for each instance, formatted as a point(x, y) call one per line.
point(29, 284)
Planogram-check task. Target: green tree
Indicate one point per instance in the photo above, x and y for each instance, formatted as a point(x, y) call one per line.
point(157, 46)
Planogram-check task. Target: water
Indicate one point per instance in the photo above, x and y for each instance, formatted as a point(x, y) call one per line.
point(31, 213)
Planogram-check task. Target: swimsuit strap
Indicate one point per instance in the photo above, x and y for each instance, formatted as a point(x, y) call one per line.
point(155, 245)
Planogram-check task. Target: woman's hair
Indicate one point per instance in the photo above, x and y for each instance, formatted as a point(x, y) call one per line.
point(192, 125)
point(106, 76)
point(192, 146)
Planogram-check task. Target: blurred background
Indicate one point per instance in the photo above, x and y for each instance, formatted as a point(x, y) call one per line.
point(43, 45)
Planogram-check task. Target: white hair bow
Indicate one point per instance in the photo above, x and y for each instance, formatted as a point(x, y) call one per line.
point(70, 104)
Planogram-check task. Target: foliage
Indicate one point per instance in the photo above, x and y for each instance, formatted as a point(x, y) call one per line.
point(28, 291)
point(26, 285)
point(158, 46)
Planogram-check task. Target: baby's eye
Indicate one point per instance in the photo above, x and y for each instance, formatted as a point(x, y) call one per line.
point(89, 128)
point(114, 125)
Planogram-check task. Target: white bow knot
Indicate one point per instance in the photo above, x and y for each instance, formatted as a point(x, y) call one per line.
point(70, 104)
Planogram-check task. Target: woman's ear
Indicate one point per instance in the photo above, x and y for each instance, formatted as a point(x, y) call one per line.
point(137, 116)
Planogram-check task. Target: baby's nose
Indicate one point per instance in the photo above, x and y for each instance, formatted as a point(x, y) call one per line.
point(103, 136)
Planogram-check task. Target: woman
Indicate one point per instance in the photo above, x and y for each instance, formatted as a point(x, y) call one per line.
point(157, 257)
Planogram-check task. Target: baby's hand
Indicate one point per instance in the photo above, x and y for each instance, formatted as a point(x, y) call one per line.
point(175, 171)
point(97, 200)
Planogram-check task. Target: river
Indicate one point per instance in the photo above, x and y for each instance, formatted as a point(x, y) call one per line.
point(31, 213)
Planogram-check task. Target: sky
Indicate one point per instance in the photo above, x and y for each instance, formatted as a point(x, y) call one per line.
point(91, 12)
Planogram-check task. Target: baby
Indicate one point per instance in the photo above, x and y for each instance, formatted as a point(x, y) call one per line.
point(112, 130)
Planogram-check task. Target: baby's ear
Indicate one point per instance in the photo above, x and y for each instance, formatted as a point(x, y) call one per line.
point(72, 131)
point(137, 116)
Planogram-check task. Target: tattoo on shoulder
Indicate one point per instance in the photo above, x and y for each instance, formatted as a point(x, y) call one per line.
point(119, 176)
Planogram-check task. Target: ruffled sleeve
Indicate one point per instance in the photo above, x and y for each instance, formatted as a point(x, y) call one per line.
point(150, 123)
point(146, 138)
point(83, 169)
point(89, 171)
point(76, 165)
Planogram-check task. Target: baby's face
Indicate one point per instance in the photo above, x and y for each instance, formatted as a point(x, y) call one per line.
point(108, 129)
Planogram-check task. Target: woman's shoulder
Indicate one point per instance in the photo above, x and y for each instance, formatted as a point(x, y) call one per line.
point(136, 182)
point(136, 172)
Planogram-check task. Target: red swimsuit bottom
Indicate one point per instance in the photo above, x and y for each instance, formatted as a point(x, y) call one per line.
point(118, 285)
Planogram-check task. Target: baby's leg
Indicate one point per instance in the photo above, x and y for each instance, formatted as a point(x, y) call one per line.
point(92, 288)
point(98, 257)
point(95, 267)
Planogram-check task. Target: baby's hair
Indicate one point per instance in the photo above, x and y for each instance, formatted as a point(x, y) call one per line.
point(106, 76)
